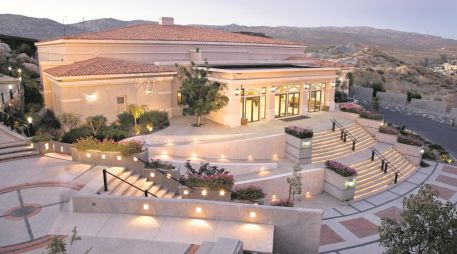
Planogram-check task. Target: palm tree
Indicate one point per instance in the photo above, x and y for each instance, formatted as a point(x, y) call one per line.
point(136, 111)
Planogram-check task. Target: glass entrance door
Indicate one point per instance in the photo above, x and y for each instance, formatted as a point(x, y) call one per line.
point(314, 101)
point(253, 109)
point(293, 103)
point(280, 105)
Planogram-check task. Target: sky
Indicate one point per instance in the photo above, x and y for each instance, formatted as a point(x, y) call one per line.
point(436, 17)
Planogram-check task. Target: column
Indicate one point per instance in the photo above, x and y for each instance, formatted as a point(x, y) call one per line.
point(330, 97)
point(270, 98)
point(304, 101)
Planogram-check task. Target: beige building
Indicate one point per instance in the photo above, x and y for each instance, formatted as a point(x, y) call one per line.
point(103, 72)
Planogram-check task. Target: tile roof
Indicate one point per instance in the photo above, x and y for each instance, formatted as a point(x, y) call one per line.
point(106, 66)
point(157, 32)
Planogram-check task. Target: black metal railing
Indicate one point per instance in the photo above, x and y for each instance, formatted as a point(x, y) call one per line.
point(105, 184)
point(344, 133)
point(384, 163)
point(10, 121)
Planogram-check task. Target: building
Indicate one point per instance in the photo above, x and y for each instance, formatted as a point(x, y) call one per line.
point(103, 72)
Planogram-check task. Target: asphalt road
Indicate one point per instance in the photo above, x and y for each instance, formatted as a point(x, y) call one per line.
point(438, 133)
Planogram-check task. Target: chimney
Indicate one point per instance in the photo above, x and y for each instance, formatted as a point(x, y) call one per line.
point(166, 21)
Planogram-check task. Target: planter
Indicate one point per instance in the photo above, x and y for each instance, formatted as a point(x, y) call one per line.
point(371, 126)
point(165, 180)
point(339, 187)
point(412, 153)
point(256, 201)
point(111, 159)
point(203, 193)
point(386, 138)
point(298, 150)
point(52, 147)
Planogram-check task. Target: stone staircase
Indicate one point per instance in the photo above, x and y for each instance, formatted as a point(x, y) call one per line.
point(327, 145)
point(15, 150)
point(371, 179)
point(121, 188)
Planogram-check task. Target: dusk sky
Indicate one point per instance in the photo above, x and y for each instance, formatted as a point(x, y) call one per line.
point(437, 17)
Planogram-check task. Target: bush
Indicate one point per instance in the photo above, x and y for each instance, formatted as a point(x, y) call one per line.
point(158, 164)
point(389, 130)
point(219, 181)
point(41, 138)
point(205, 169)
point(158, 119)
point(250, 192)
point(49, 121)
point(340, 97)
point(282, 202)
point(126, 148)
point(126, 120)
point(409, 140)
point(351, 108)
point(130, 147)
point(413, 95)
point(74, 134)
point(371, 116)
point(299, 132)
point(112, 132)
point(340, 168)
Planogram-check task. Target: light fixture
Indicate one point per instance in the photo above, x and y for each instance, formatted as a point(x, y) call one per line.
point(9, 68)
point(237, 91)
point(119, 157)
point(422, 151)
point(152, 174)
point(135, 159)
point(103, 156)
point(306, 86)
point(350, 183)
point(88, 155)
point(204, 192)
point(308, 195)
point(145, 206)
point(61, 149)
point(91, 97)
point(273, 197)
point(19, 70)
point(186, 192)
point(221, 193)
point(306, 144)
point(252, 215)
point(275, 156)
point(169, 141)
point(148, 91)
point(194, 155)
point(10, 87)
point(222, 156)
point(333, 84)
point(273, 89)
point(29, 120)
point(168, 175)
point(46, 146)
point(195, 140)
point(198, 209)
point(164, 152)
point(262, 168)
point(250, 157)
point(149, 127)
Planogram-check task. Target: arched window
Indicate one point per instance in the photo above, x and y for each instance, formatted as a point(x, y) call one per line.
point(294, 89)
point(252, 92)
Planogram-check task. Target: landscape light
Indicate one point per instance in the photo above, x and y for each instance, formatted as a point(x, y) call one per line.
point(103, 156)
point(9, 68)
point(422, 151)
point(19, 70)
point(119, 157)
point(308, 195)
point(186, 192)
point(46, 146)
point(152, 174)
point(61, 149)
point(168, 175)
point(250, 157)
point(204, 192)
point(275, 156)
point(88, 155)
point(145, 206)
point(198, 209)
point(252, 215)
point(221, 193)
point(164, 152)
point(29, 120)
point(194, 155)
point(135, 159)
point(222, 156)
point(10, 87)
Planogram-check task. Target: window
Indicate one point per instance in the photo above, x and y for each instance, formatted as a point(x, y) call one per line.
point(179, 98)
point(121, 104)
point(120, 100)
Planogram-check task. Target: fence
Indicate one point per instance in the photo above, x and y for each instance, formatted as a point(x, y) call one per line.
point(364, 93)
point(391, 98)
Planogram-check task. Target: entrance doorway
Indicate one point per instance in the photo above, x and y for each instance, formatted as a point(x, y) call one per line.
point(287, 104)
point(314, 101)
point(252, 110)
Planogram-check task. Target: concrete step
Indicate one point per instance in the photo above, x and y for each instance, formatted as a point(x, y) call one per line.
point(17, 155)
point(122, 188)
point(112, 185)
point(13, 144)
point(339, 154)
point(15, 149)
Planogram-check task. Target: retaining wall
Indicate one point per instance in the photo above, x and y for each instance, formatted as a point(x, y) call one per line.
point(391, 98)
point(359, 92)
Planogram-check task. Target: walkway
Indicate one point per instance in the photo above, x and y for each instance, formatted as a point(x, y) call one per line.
point(353, 228)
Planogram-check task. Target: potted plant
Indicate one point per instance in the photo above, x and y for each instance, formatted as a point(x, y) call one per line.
point(339, 180)
point(298, 144)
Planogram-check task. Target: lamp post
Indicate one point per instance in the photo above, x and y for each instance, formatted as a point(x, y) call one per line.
point(19, 71)
point(10, 87)
point(10, 69)
point(30, 127)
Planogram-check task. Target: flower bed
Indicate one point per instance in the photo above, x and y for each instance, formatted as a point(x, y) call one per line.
point(207, 176)
point(409, 140)
point(370, 115)
point(299, 132)
point(158, 164)
point(351, 108)
point(250, 192)
point(126, 148)
point(389, 130)
point(340, 169)
point(282, 202)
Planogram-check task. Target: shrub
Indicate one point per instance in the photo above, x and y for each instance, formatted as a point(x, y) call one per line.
point(115, 133)
point(205, 169)
point(88, 143)
point(154, 164)
point(351, 108)
point(250, 192)
point(389, 130)
point(282, 202)
point(74, 134)
point(49, 121)
point(409, 140)
point(340, 97)
point(126, 120)
point(126, 148)
point(299, 132)
point(41, 138)
point(371, 116)
point(218, 181)
point(340, 168)
point(158, 119)
point(130, 147)
point(413, 95)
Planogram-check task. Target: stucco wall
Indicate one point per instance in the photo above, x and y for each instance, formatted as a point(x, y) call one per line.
point(297, 230)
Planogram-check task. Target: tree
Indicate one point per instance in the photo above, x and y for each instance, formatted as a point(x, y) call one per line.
point(200, 95)
point(57, 245)
point(377, 87)
point(426, 226)
point(350, 78)
point(70, 120)
point(96, 123)
point(375, 104)
point(136, 111)
point(49, 122)
point(295, 185)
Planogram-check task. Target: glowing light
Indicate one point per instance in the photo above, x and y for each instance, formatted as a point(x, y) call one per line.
point(273, 89)
point(194, 155)
point(198, 210)
point(275, 156)
point(169, 141)
point(119, 157)
point(10, 87)
point(186, 192)
point(164, 152)
point(9, 68)
point(61, 149)
point(250, 157)
point(221, 193)
point(149, 91)
point(91, 97)
point(222, 156)
point(29, 119)
point(152, 174)
point(103, 156)
point(252, 215)
point(196, 140)
point(88, 155)
point(308, 195)
point(262, 168)
point(204, 192)
point(19, 70)
point(135, 159)
point(168, 175)
point(422, 151)
point(145, 206)
point(149, 127)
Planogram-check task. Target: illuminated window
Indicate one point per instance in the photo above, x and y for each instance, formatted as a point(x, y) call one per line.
point(179, 97)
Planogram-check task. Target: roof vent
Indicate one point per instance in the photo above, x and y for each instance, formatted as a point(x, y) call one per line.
point(166, 21)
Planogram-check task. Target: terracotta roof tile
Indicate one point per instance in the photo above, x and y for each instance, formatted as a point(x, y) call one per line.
point(106, 66)
point(175, 33)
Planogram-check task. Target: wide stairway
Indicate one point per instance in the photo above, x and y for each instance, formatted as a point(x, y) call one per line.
point(122, 187)
point(327, 145)
point(13, 150)
point(371, 179)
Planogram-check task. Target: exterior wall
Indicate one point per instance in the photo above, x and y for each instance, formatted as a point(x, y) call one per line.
point(71, 96)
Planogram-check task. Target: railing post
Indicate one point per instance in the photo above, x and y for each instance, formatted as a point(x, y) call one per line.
point(345, 135)
point(385, 167)
point(105, 181)
point(11, 123)
point(353, 145)
point(396, 177)
point(333, 125)
point(372, 155)
point(342, 133)
point(146, 193)
point(382, 164)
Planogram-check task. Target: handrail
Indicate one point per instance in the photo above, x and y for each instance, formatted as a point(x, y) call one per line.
point(17, 119)
point(344, 129)
point(24, 123)
point(105, 183)
point(386, 161)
